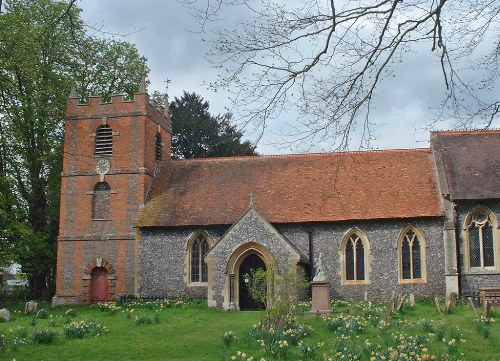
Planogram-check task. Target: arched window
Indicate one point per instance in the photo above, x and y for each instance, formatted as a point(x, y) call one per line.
point(411, 256)
point(198, 267)
point(101, 200)
point(158, 147)
point(104, 140)
point(480, 233)
point(355, 255)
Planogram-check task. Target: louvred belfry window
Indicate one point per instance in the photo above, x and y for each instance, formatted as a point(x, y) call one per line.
point(158, 147)
point(104, 140)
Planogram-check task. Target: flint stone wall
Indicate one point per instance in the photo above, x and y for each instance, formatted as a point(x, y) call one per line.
point(163, 254)
point(470, 282)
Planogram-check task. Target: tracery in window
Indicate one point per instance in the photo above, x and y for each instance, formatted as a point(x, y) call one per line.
point(481, 240)
point(355, 255)
point(104, 140)
point(411, 255)
point(199, 248)
point(101, 201)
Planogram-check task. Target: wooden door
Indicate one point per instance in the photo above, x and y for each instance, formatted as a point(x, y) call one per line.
point(99, 285)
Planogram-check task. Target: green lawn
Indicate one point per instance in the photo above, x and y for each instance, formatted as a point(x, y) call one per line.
point(192, 332)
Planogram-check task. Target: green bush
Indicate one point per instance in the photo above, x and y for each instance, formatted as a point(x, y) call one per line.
point(44, 336)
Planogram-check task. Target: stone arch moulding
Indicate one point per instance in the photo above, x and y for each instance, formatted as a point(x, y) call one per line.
point(422, 251)
point(367, 257)
point(232, 270)
point(188, 256)
point(99, 262)
point(87, 278)
point(469, 220)
point(241, 252)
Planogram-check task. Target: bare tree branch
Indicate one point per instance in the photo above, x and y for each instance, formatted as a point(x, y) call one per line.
point(327, 59)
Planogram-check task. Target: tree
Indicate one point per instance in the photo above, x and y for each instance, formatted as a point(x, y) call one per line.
point(328, 58)
point(43, 48)
point(196, 133)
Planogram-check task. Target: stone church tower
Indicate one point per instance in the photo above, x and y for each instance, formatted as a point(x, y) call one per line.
point(111, 153)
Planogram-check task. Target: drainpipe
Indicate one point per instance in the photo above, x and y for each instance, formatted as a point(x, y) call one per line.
point(311, 253)
point(457, 246)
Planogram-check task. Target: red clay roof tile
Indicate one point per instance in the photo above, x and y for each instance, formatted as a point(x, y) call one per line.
point(294, 188)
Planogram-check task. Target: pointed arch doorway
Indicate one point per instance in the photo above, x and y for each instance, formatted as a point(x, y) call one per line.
point(251, 262)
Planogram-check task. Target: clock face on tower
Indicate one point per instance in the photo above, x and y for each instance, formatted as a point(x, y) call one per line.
point(102, 166)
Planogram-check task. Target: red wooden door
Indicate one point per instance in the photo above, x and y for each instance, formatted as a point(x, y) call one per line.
point(99, 285)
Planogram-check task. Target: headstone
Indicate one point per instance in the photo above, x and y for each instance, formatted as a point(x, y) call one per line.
point(42, 313)
point(30, 308)
point(412, 300)
point(485, 308)
point(5, 314)
point(71, 312)
point(438, 306)
point(401, 303)
point(449, 303)
point(471, 303)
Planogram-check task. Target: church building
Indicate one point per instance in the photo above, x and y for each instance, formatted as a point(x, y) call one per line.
point(134, 222)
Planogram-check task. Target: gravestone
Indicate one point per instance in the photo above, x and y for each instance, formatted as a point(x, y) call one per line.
point(5, 314)
point(30, 308)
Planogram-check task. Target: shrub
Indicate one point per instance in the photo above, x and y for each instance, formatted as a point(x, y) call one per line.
point(228, 338)
point(44, 336)
point(79, 329)
point(76, 330)
point(142, 319)
point(3, 346)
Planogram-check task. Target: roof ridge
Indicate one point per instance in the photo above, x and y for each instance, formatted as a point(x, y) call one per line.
point(290, 155)
point(468, 131)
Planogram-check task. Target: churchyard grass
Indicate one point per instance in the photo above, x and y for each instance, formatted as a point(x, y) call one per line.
point(189, 331)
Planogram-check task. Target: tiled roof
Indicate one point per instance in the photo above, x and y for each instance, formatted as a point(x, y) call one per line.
point(294, 188)
point(470, 162)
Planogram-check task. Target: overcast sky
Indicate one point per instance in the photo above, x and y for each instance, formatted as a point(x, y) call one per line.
point(166, 34)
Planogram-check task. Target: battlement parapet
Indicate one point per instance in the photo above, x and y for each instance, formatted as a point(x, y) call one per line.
point(118, 106)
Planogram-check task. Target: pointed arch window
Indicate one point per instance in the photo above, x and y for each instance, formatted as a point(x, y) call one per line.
point(482, 243)
point(412, 256)
point(101, 201)
point(355, 252)
point(198, 267)
point(104, 140)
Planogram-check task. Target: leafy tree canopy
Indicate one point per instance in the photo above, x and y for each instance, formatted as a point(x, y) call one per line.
point(197, 134)
point(43, 49)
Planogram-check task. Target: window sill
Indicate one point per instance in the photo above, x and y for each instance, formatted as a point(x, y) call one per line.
point(198, 284)
point(412, 282)
point(101, 219)
point(482, 271)
point(355, 283)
